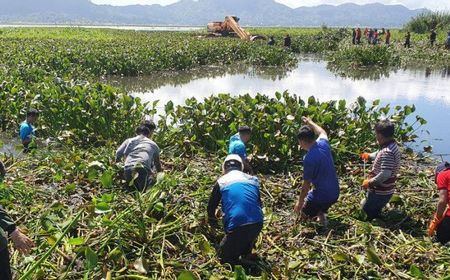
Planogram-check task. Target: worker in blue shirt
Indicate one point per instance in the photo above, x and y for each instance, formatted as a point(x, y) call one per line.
point(237, 146)
point(27, 130)
point(243, 218)
point(319, 171)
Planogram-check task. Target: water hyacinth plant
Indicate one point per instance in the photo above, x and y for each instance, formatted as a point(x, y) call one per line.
point(208, 124)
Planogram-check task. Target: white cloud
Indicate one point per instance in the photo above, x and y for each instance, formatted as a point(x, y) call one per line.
point(413, 4)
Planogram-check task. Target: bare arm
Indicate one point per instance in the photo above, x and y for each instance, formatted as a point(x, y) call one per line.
point(301, 199)
point(213, 203)
point(317, 129)
point(157, 163)
point(442, 204)
point(121, 151)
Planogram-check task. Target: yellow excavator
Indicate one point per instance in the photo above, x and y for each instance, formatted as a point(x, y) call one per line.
point(230, 27)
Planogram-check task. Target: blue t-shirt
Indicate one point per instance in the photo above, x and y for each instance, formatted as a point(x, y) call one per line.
point(26, 131)
point(320, 170)
point(241, 204)
point(237, 146)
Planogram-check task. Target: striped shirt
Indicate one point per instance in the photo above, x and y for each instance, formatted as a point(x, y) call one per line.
point(387, 160)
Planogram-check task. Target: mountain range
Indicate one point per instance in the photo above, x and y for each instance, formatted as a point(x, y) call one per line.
point(200, 12)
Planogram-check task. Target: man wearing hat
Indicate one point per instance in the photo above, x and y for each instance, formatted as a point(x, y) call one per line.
point(237, 146)
point(440, 224)
point(243, 218)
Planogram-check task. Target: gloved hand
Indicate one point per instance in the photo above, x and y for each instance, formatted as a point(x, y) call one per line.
point(365, 184)
point(433, 225)
point(365, 156)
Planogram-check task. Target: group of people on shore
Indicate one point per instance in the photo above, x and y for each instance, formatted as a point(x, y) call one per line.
point(238, 189)
point(372, 35)
point(375, 37)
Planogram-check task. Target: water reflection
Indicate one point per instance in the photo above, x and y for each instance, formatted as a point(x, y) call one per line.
point(180, 78)
point(427, 89)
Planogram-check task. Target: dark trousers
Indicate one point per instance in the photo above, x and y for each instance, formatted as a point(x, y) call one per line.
point(5, 269)
point(238, 243)
point(137, 178)
point(374, 204)
point(443, 231)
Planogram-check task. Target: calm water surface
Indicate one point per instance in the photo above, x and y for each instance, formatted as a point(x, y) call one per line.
point(428, 90)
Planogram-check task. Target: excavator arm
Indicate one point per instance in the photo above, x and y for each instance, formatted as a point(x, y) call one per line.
point(233, 25)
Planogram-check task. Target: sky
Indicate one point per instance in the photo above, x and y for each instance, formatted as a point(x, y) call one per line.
point(412, 4)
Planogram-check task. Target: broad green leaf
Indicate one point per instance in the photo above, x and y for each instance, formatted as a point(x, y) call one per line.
point(372, 256)
point(204, 246)
point(294, 264)
point(416, 272)
point(91, 258)
point(239, 273)
point(107, 179)
point(186, 275)
point(340, 257)
point(76, 241)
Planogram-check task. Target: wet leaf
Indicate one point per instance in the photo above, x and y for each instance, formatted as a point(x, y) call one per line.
point(416, 272)
point(186, 275)
point(372, 256)
point(91, 258)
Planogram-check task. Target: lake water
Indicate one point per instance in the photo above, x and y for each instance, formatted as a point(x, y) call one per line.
point(118, 27)
point(428, 90)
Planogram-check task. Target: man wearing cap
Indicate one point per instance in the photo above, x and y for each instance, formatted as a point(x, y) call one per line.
point(440, 224)
point(319, 170)
point(27, 130)
point(237, 146)
point(141, 157)
point(243, 218)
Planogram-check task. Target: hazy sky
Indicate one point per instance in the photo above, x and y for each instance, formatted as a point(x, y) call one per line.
point(430, 4)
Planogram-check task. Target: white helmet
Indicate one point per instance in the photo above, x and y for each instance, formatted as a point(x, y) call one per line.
point(233, 160)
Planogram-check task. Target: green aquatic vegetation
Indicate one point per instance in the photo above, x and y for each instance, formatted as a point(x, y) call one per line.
point(426, 21)
point(79, 112)
point(306, 40)
point(71, 201)
point(162, 234)
point(364, 56)
point(207, 125)
point(127, 53)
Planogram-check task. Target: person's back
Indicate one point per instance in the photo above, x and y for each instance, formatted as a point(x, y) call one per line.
point(320, 169)
point(388, 37)
point(243, 218)
point(140, 150)
point(387, 158)
point(240, 199)
point(287, 41)
point(433, 35)
point(237, 146)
